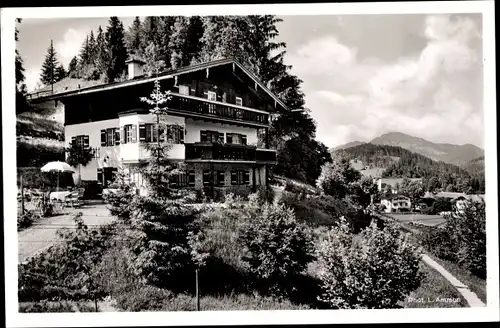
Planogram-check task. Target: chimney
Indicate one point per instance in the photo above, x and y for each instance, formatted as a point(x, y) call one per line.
point(135, 68)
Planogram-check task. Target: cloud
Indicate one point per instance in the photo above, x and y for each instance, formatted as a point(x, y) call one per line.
point(32, 76)
point(427, 94)
point(70, 45)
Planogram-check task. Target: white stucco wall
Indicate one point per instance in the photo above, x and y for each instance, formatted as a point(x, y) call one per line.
point(194, 127)
point(93, 130)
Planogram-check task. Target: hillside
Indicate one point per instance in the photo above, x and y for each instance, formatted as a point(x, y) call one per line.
point(40, 138)
point(449, 153)
point(398, 162)
point(348, 145)
point(475, 166)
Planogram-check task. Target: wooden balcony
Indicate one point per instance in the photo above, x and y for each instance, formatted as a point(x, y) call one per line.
point(203, 108)
point(228, 152)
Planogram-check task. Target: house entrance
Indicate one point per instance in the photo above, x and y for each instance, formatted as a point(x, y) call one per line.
point(106, 176)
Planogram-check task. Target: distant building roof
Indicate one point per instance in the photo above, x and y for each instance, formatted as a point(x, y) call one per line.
point(393, 181)
point(449, 195)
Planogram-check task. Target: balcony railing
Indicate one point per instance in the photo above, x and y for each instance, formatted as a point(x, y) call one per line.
point(205, 107)
point(228, 152)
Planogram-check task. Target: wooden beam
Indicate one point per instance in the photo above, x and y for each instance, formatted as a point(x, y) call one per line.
point(175, 84)
point(208, 72)
point(234, 67)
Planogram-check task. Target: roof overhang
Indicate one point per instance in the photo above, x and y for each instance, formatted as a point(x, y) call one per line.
point(164, 76)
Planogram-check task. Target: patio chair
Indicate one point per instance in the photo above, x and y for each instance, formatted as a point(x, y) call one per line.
point(75, 198)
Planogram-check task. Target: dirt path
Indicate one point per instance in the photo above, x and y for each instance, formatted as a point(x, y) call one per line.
point(44, 233)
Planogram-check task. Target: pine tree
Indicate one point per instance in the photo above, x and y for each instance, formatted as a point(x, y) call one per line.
point(185, 41)
point(22, 104)
point(133, 37)
point(49, 66)
point(117, 51)
point(19, 61)
point(85, 53)
point(60, 72)
point(92, 49)
point(73, 68)
point(163, 222)
point(102, 52)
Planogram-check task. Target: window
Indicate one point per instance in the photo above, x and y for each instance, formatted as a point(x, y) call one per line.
point(211, 136)
point(212, 95)
point(175, 133)
point(240, 177)
point(239, 101)
point(81, 141)
point(191, 179)
point(184, 90)
point(179, 180)
point(130, 133)
point(148, 132)
point(220, 178)
point(110, 137)
point(206, 178)
point(235, 138)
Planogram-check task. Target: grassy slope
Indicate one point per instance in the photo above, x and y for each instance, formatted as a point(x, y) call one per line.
point(433, 286)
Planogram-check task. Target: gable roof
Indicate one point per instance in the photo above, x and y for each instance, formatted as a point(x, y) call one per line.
point(163, 76)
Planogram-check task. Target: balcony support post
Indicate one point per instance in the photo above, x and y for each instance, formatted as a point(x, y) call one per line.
point(266, 131)
point(253, 178)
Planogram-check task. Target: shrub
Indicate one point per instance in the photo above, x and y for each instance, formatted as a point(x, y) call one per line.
point(277, 247)
point(462, 239)
point(146, 298)
point(266, 194)
point(26, 219)
point(375, 269)
point(44, 306)
point(65, 270)
point(162, 227)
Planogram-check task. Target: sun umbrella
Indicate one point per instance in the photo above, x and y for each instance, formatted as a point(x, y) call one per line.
point(57, 167)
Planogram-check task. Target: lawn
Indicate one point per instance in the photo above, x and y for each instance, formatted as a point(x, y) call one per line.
point(432, 291)
point(422, 218)
point(475, 284)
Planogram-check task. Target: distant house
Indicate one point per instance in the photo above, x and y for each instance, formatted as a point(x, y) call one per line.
point(393, 182)
point(396, 203)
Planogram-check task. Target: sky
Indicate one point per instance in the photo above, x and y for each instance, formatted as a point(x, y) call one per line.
point(363, 75)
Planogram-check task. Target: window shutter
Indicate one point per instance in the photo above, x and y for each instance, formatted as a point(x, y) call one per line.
point(181, 134)
point(243, 139)
point(73, 140)
point(233, 177)
point(142, 132)
point(206, 177)
point(103, 138)
point(191, 178)
point(229, 138)
point(221, 137)
point(117, 136)
point(203, 136)
point(221, 178)
point(123, 132)
point(86, 142)
point(134, 133)
point(247, 177)
point(161, 134)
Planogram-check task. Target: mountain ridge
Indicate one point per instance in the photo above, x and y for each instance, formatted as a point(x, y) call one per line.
point(446, 152)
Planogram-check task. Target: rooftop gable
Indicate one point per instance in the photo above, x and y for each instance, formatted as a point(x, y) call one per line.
point(165, 75)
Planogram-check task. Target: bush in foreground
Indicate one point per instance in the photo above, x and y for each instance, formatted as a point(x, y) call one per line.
point(277, 247)
point(462, 239)
point(375, 269)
